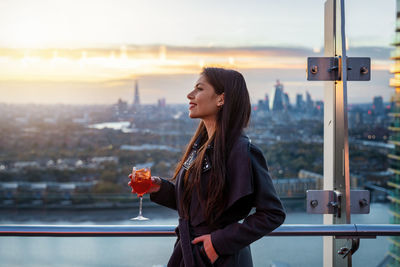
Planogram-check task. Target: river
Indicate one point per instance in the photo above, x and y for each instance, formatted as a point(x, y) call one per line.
point(155, 251)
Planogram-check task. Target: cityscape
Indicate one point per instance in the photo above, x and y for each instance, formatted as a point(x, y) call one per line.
point(71, 155)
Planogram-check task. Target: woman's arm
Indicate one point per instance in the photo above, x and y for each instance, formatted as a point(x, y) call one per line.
point(164, 193)
point(269, 212)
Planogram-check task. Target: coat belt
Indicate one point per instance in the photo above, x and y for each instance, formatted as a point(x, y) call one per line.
point(185, 233)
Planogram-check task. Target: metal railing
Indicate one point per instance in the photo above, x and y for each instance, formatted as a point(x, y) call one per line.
point(337, 230)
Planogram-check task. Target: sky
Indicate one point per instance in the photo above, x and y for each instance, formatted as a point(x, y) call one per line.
point(85, 52)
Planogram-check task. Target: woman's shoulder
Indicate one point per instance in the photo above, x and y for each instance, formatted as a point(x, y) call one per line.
point(241, 144)
point(244, 151)
point(244, 146)
point(240, 149)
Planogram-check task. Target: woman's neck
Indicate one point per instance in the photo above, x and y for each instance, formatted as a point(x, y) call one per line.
point(210, 127)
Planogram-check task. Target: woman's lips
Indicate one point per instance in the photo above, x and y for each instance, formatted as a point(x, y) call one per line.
point(191, 105)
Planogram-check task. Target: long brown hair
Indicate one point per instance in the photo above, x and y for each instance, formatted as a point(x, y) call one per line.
point(232, 118)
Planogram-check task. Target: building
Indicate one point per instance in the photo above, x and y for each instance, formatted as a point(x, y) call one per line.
point(277, 100)
point(136, 100)
point(377, 106)
point(299, 102)
point(319, 107)
point(262, 105)
point(266, 102)
point(121, 108)
point(286, 101)
point(394, 138)
point(161, 103)
point(356, 117)
point(309, 103)
point(319, 179)
point(294, 187)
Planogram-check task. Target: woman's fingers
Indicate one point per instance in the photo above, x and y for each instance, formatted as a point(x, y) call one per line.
point(208, 246)
point(198, 239)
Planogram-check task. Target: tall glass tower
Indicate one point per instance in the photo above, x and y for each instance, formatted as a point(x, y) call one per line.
point(136, 100)
point(394, 156)
point(277, 101)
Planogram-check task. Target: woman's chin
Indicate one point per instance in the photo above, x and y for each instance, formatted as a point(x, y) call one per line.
point(192, 115)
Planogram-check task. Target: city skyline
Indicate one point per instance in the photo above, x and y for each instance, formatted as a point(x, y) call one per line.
point(176, 87)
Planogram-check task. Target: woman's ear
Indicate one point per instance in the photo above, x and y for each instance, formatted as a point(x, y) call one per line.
point(220, 100)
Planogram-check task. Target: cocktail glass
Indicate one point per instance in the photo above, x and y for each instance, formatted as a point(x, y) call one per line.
point(140, 183)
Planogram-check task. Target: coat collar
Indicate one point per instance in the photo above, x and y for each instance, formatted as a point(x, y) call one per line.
point(197, 143)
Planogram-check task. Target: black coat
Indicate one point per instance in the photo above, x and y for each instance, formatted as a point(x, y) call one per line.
point(249, 185)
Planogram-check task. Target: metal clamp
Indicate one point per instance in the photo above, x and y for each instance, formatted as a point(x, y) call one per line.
point(355, 244)
point(329, 202)
point(322, 69)
point(329, 69)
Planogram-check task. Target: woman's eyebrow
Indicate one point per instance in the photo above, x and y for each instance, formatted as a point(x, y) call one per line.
point(198, 84)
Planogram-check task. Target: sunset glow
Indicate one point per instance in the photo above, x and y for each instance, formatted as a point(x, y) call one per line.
point(106, 64)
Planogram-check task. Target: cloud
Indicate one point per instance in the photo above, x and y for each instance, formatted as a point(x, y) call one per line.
point(102, 75)
point(374, 52)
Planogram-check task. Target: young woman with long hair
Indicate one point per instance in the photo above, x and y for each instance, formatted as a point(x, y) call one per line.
point(219, 179)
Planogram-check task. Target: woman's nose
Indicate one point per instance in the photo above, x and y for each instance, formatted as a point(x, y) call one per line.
point(190, 95)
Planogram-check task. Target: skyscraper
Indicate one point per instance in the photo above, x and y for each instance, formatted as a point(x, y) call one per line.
point(309, 103)
point(277, 100)
point(136, 100)
point(394, 156)
point(299, 102)
point(266, 102)
point(378, 105)
point(286, 102)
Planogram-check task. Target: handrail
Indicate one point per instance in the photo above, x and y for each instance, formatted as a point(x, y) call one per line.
point(337, 230)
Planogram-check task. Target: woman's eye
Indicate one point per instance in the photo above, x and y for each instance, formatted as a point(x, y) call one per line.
point(199, 88)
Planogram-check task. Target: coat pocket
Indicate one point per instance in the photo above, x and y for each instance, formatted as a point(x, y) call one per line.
point(200, 256)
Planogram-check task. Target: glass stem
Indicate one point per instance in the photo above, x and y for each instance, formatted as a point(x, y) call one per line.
point(140, 205)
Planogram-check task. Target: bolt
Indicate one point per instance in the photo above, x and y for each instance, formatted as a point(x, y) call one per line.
point(334, 204)
point(363, 202)
point(314, 69)
point(364, 70)
point(314, 203)
point(342, 251)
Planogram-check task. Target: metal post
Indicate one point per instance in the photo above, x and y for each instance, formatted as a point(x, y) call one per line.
point(336, 150)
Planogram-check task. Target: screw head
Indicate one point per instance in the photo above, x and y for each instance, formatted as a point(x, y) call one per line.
point(314, 203)
point(363, 202)
point(364, 70)
point(342, 251)
point(314, 69)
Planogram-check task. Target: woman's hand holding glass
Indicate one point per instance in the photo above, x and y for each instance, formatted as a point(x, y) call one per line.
point(154, 187)
point(141, 183)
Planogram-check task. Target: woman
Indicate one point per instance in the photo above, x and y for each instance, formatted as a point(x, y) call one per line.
point(220, 178)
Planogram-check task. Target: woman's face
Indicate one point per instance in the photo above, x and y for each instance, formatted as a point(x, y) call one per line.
point(204, 102)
